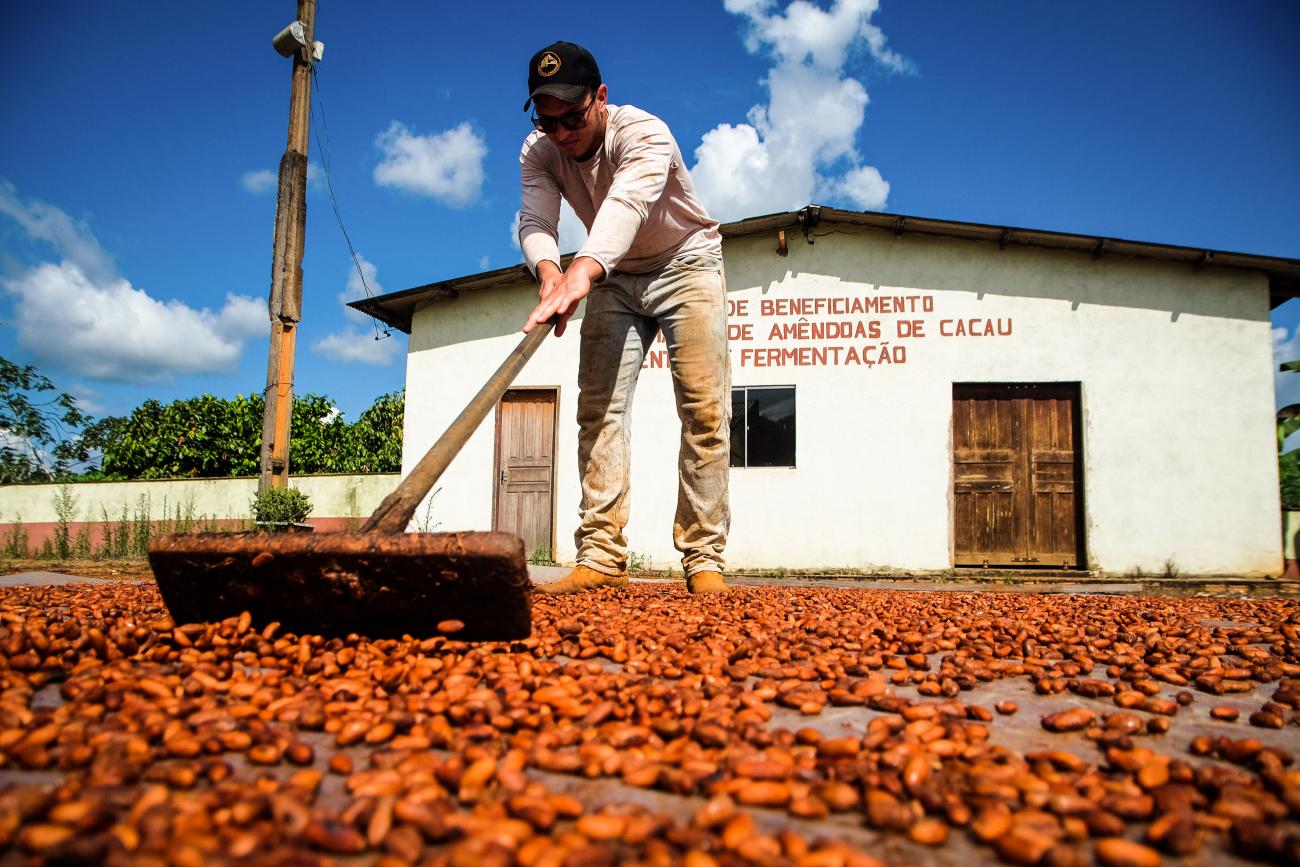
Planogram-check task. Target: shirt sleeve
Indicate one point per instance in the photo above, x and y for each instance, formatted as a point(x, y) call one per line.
point(539, 211)
point(643, 152)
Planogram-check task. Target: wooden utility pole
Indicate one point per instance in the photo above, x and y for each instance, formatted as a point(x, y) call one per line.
point(286, 269)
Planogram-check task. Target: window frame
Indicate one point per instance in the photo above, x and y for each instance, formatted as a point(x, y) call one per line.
point(745, 426)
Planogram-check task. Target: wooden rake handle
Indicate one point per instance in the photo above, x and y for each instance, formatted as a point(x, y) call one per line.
point(395, 512)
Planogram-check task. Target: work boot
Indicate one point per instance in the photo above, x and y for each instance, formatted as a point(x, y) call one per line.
point(582, 579)
point(706, 582)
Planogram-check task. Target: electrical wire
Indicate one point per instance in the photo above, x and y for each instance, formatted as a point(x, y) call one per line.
point(322, 151)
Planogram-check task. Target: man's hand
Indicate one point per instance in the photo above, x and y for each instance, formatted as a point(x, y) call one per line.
point(561, 292)
point(549, 278)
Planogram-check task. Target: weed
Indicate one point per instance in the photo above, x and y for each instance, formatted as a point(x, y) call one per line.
point(1171, 569)
point(122, 538)
point(185, 519)
point(141, 530)
point(81, 547)
point(122, 534)
point(637, 563)
point(542, 557)
point(426, 524)
point(105, 534)
point(65, 506)
point(15, 543)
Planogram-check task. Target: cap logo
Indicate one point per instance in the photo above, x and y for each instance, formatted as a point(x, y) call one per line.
point(548, 65)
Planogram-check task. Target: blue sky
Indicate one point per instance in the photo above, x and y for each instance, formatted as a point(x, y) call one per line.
point(139, 138)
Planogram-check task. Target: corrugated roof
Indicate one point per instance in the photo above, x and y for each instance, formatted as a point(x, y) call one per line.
point(397, 308)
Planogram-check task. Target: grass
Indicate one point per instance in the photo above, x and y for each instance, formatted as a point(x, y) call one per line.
point(542, 557)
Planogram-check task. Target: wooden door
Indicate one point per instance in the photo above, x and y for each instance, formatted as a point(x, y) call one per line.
point(523, 502)
point(1017, 478)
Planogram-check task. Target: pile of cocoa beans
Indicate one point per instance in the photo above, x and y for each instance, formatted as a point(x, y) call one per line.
point(644, 725)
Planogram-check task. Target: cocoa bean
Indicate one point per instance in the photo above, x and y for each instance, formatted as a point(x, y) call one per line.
point(1071, 720)
point(1118, 852)
point(1265, 720)
point(930, 832)
point(763, 793)
point(885, 812)
point(1022, 846)
point(991, 824)
point(602, 827)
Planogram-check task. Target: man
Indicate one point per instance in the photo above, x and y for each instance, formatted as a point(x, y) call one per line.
point(652, 261)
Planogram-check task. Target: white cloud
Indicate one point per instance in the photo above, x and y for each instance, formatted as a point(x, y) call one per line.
point(358, 341)
point(446, 166)
point(87, 399)
point(865, 188)
point(572, 233)
point(71, 239)
point(78, 315)
point(113, 331)
point(354, 344)
point(258, 181)
point(264, 180)
point(802, 145)
point(244, 316)
point(809, 34)
point(483, 263)
point(355, 289)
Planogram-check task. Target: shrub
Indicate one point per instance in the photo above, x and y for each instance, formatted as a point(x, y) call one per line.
point(281, 506)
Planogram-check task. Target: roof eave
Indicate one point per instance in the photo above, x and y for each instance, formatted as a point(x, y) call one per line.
point(398, 308)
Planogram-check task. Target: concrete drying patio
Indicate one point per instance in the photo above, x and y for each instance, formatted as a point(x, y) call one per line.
point(831, 723)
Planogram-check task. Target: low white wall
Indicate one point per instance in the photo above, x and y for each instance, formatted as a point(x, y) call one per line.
point(1175, 367)
point(332, 496)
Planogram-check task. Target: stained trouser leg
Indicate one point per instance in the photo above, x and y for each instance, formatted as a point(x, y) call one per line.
point(690, 305)
point(615, 339)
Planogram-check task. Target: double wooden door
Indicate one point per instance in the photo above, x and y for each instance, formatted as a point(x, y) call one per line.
point(523, 500)
point(1017, 475)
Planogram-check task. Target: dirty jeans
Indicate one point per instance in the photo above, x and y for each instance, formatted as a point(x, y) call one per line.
point(687, 301)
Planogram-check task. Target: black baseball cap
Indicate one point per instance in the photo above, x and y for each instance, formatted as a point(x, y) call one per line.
point(562, 70)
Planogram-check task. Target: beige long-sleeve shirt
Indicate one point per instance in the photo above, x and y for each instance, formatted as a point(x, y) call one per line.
point(634, 195)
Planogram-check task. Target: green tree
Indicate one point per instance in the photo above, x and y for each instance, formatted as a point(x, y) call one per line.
point(1288, 422)
point(1288, 417)
point(317, 437)
point(376, 437)
point(211, 437)
point(1288, 462)
point(37, 427)
point(202, 436)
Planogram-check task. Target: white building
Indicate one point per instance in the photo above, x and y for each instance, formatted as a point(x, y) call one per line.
point(911, 394)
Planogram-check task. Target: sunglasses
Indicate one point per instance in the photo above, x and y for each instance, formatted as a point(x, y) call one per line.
point(574, 120)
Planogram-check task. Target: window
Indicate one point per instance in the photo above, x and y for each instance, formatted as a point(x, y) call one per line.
point(762, 426)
